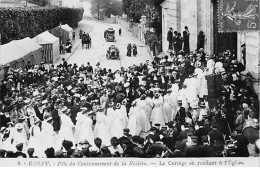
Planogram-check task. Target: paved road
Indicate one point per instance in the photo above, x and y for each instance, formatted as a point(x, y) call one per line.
point(99, 47)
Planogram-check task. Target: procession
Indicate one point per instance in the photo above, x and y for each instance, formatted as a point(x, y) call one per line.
point(181, 103)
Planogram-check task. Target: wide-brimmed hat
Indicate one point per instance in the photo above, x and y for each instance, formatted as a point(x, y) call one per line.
point(133, 102)
point(36, 120)
point(124, 102)
point(127, 84)
point(202, 104)
point(111, 104)
point(2, 129)
point(65, 110)
point(157, 95)
point(118, 106)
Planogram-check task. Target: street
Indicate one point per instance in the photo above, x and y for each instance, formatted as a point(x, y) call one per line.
point(97, 53)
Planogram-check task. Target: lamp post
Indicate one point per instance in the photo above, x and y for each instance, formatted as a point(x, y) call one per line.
point(60, 33)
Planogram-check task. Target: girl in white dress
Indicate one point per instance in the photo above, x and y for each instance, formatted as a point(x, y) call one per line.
point(67, 127)
point(48, 134)
point(157, 116)
point(85, 130)
point(118, 124)
point(142, 119)
point(101, 129)
point(167, 107)
point(148, 106)
point(110, 115)
point(133, 124)
point(174, 100)
point(36, 140)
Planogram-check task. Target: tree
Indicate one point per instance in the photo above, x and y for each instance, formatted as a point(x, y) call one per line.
point(106, 8)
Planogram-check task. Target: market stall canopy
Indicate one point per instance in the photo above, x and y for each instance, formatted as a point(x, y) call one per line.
point(28, 44)
point(66, 27)
point(45, 38)
point(11, 52)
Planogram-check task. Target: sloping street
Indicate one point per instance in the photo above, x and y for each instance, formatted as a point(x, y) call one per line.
point(97, 53)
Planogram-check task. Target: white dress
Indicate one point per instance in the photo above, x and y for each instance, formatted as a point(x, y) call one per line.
point(133, 125)
point(110, 117)
point(101, 129)
point(157, 116)
point(118, 124)
point(167, 108)
point(142, 118)
point(36, 141)
point(66, 130)
point(48, 135)
point(85, 131)
point(148, 107)
point(174, 100)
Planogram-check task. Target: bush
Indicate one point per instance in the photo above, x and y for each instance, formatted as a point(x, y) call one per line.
point(153, 41)
point(19, 23)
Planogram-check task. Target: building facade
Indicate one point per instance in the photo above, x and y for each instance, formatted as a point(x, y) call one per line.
point(202, 15)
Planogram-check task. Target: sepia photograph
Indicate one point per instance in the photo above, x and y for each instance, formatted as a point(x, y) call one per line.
point(129, 83)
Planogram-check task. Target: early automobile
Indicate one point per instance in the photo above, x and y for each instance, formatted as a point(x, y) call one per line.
point(112, 52)
point(109, 35)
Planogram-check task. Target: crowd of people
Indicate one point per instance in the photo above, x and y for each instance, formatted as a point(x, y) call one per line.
point(154, 109)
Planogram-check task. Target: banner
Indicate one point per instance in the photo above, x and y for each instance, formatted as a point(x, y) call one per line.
point(238, 15)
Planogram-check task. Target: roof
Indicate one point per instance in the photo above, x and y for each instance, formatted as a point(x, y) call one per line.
point(167, 3)
point(11, 52)
point(45, 38)
point(67, 27)
point(30, 44)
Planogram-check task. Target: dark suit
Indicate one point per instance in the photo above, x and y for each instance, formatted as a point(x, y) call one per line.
point(170, 39)
point(74, 110)
point(157, 149)
point(19, 154)
point(186, 39)
point(38, 113)
point(192, 151)
point(56, 120)
point(206, 151)
point(242, 143)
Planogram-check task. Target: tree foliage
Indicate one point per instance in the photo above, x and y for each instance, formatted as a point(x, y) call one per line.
point(18, 23)
point(134, 9)
point(104, 8)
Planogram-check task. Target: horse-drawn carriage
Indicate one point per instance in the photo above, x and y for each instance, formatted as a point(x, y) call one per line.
point(109, 35)
point(112, 52)
point(86, 40)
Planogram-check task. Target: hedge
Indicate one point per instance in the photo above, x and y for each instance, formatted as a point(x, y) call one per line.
point(18, 23)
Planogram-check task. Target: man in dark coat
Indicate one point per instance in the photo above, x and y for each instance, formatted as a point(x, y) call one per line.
point(186, 40)
point(215, 135)
point(194, 149)
point(74, 110)
point(242, 142)
point(175, 41)
point(19, 153)
point(170, 38)
point(3, 91)
point(56, 119)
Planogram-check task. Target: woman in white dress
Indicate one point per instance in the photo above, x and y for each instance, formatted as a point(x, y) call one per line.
point(110, 115)
point(67, 127)
point(118, 124)
point(20, 135)
point(6, 141)
point(124, 112)
point(142, 119)
point(101, 129)
point(36, 140)
point(157, 116)
point(174, 100)
point(48, 134)
point(133, 124)
point(149, 105)
point(167, 107)
point(85, 130)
